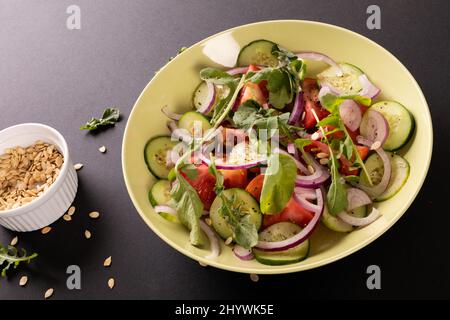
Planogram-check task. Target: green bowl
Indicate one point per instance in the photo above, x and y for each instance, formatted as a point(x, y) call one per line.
point(173, 86)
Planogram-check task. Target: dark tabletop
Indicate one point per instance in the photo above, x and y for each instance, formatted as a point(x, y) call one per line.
point(59, 77)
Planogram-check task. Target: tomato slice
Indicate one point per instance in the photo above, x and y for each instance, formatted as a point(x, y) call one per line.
point(234, 178)
point(293, 212)
point(346, 164)
point(311, 92)
point(255, 186)
point(252, 91)
point(323, 147)
point(204, 184)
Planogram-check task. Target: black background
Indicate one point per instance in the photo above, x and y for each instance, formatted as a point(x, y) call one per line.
point(52, 75)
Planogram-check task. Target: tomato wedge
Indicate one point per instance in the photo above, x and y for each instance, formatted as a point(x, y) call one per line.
point(311, 92)
point(234, 178)
point(204, 184)
point(255, 186)
point(293, 212)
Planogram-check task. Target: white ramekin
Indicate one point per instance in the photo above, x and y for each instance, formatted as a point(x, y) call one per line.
point(54, 202)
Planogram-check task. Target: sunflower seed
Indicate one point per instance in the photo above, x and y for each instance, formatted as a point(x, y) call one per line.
point(202, 264)
point(102, 149)
point(78, 166)
point(66, 217)
point(322, 155)
point(254, 277)
point(111, 283)
point(94, 215)
point(48, 293)
point(311, 169)
point(71, 211)
point(208, 221)
point(87, 234)
point(46, 230)
point(375, 145)
point(229, 240)
point(23, 281)
point(107, 262)
point(324, 161)
point(14, 241)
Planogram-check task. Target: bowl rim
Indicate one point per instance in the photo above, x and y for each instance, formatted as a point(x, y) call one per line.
point(292, 267)
point(64, 149)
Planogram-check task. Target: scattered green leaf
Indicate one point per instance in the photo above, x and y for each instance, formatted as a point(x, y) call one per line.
point(10, 256)
point(110, 117)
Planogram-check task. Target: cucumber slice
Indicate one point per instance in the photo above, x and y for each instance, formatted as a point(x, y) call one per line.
point(159, 193)
point(155, 155)
point(278, 232)
point(399, 174)
point(333, 223)
point(336, 224)
point(348, 83)
point(401, 123)
point(200, 96)
point(257, 52)
point(188, 120)
point(247, 204)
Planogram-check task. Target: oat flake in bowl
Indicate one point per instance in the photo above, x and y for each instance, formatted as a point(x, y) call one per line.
point(27, 172)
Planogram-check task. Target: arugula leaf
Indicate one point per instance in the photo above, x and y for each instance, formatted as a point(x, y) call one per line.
point(190, 171)
point(337, 193)
point(110, 117)
point(278, 185)
point(278, 85)
point(244, 231)
point(283, 54)
point(250, 115)
point(10, 256)
point(189, 208)
point(217, 76)
point(332, 102)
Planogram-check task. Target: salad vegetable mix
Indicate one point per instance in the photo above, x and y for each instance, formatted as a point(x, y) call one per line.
point(267, 153)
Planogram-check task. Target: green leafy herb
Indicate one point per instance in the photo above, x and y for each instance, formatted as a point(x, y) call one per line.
point(250, 115)
point(189, 208)
point(332, 102)
point(337, 193)
point(10, 256)
point(244, 231)
point(217, 76)
point(110, 117)
point(278, 185)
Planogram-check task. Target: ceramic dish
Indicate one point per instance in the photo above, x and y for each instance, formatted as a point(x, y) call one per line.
point(173, 85)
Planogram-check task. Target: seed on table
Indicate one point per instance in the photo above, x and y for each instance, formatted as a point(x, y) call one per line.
point(322, 155)
point(48, 293)
point(66, 217)
point(94, 215)
point(111, 283)
point(102, 149)
point(23, 281)
point(324, 161)
point(14, 241)
point(78, 166)
point(71, 211)
point(87, 234)
point(107, 262)
point(46, 230)
point(254, 277)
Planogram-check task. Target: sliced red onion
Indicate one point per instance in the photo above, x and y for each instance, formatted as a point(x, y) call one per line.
point(303, 201)
point(299, 237)
point(368, 88)
point(179, 134)
point(350, 114)
point(307, 193)
point(317, 56)
point(297, 109)
point(357, 198)
point(265, 105)
point(299, 165)
point(165, 209)
point(236, 71)
point(236, 105)
point(375, 127)
point(171, 158)
point(242, 253)
point(359, 222)
point(220, 164)
point(314, 180)
point(375, 191)
point(213, 240)
point(169, 114)
point(210, 99)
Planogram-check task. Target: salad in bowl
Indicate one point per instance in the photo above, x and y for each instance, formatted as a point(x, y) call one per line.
point(266, 154)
